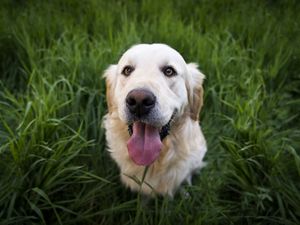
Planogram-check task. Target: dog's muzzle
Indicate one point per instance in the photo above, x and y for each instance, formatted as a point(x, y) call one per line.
point(145, 142)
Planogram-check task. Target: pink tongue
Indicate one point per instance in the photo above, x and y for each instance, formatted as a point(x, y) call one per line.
point(144, 144)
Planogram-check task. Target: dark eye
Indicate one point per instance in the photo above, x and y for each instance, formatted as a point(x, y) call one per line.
point(169, 71)
point(127, 70)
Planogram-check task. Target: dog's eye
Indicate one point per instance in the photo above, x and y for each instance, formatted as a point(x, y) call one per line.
point(169, 71)
point(127, 70)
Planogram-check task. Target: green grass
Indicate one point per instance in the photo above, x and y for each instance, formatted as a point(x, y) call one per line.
point(54, 168)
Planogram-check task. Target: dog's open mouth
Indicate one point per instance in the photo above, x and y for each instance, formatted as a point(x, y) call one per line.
point(145, 142)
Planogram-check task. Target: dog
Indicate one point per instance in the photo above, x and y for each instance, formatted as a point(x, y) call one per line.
point(154, 99)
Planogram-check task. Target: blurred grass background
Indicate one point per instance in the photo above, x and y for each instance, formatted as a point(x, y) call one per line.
point(54, 168)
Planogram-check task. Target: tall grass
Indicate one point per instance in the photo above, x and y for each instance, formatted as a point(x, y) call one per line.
point(54, 168)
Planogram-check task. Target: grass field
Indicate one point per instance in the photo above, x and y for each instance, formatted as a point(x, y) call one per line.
point(53, 165)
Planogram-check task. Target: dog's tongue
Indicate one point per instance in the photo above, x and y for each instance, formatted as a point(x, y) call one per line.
point(144, 144)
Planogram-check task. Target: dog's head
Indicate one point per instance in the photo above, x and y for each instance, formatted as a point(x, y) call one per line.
point(149, 88)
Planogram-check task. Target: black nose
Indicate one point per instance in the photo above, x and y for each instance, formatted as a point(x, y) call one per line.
point(140, 102)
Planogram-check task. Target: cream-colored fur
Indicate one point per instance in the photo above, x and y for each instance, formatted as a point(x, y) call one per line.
point(184, 148)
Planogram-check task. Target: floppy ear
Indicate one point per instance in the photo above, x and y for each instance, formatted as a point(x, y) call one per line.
point(195, 90)
point(110, 78)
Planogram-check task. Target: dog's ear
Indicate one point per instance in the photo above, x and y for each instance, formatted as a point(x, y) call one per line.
point(110, 78)
point(195, 90)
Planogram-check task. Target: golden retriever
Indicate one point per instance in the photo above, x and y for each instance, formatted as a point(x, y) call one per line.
point(154, 99)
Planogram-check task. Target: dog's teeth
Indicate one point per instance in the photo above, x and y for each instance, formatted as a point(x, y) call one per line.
point(130, 129)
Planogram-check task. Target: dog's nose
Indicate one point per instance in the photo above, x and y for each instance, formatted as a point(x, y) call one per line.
point(140, 102)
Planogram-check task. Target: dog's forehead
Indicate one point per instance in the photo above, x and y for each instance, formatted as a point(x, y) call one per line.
point(155, 53)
